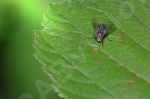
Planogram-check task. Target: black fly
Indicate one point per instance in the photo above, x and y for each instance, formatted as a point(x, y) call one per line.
point(100, 33)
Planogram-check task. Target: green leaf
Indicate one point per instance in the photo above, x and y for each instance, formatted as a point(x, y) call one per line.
point(83, 69)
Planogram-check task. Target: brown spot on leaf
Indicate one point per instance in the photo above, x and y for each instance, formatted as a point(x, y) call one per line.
point(132, 80)
point(95, 49)
point(120, 38)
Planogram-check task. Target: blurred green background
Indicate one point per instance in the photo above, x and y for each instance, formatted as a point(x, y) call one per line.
point(21, 76)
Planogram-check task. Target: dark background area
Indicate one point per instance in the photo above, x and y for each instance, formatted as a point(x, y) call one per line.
point(21, 76)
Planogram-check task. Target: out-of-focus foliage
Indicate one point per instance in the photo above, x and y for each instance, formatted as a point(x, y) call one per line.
point(20, 75)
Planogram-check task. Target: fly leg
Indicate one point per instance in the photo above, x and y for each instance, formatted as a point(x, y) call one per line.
point(102, 43)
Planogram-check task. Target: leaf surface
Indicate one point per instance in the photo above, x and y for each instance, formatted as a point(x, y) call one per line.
point(83, 69)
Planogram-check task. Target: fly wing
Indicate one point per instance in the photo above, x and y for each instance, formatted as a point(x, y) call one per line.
point(94, 25)
point(111, 28)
